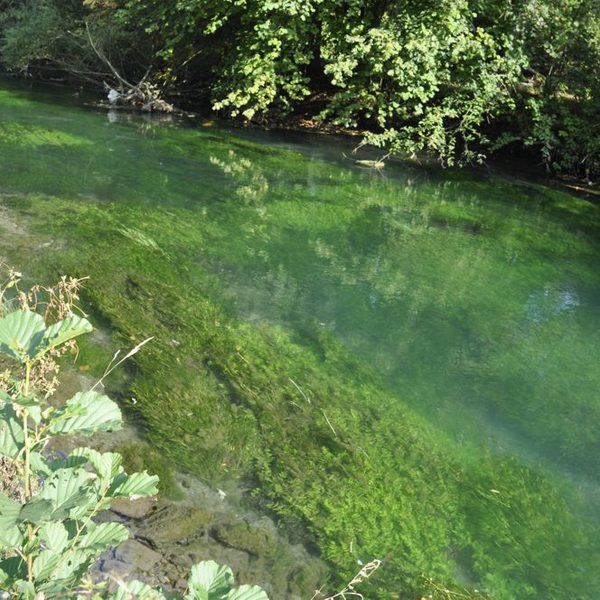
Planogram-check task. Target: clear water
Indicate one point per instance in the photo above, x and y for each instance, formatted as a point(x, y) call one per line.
point(471, 302)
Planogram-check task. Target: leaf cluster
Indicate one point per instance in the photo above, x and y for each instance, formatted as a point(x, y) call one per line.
point(50, 537)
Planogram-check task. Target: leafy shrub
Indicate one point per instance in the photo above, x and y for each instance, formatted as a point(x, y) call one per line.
point(455, 79)
point(49, 538)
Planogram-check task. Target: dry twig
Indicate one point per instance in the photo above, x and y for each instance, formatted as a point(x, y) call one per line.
point(349, 591)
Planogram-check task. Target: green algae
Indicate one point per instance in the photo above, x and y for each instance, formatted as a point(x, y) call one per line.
point(31, 136)
point(377, 357)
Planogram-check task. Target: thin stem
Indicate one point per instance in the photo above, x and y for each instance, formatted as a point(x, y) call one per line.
point(27, 468)
point(26, 441)
point(113, 365)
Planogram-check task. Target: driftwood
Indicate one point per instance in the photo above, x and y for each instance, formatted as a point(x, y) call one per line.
point(143, 95)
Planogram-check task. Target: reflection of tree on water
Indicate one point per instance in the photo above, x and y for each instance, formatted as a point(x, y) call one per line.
point(429, 284)
point(143, 121)
point(251, 185)
point(550, 302)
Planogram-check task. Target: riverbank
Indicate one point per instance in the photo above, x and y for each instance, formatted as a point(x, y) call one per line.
point(505, 163)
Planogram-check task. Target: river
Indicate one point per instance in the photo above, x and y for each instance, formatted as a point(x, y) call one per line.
point(398, 364)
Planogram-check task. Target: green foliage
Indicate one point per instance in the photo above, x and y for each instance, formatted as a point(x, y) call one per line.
point(30, 32)
point(207, 581)
point(49, 539)
point(139, 456)
point(453, 79)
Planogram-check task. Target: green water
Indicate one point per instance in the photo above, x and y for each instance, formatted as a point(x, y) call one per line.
point(399, 365)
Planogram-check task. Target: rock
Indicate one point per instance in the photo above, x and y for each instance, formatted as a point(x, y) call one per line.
point(136, 554)
point(108, 516)
point(257, 539)
point(133, 509)
point(116, 568)
point(175, 523)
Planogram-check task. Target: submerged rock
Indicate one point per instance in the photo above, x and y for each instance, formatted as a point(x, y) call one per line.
point(254, 539)
point(175, 523)
point(133, 509)
point(136, 554)
point(169, 537)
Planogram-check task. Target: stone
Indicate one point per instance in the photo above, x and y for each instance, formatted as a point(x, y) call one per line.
point(133, 509)
point(254, 539)
point(137, 554)
point(175, 523)
point(116, 568)
point(308, 576)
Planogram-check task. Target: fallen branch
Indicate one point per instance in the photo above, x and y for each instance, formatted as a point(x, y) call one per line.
point(142, 95)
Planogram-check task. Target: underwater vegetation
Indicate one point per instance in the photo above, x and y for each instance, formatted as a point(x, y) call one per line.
point(399, 367)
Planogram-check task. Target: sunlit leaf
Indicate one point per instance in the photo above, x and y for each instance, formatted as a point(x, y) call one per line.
point(136, 590)
point(104, 535)
point(66, 489)
point(10, 535)
point(86, 413)
point(73, 567)
point(107, 464)
point(247, 592)
point(21, 332)
point(65, 330)
point(55, 536)
point(134, 485)
point(36, 510)
point(11, 432)
point(45, 563)
point(25, 590)
point(9, 512)
point(209, 581)
point(39, 464)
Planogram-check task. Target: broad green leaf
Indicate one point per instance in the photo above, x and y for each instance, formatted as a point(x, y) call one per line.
point(247, 592)
point(9, 519)
point(102, 536)
point(45, 563)
point(25, 590)
point(107, 465)
point(35, 413)
point(21, 332)
point(55, 536)
point(134, 485)
point(65, 330)
point(22, 400)
point(86, 413)
point(11, 537)
point(31, 403)
point(11, 432)
point(209, 581)
point(67, 490)
point(136, 590)
point(14, 568)
point(37, 510)
point(73, 567)
point(39, 464)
